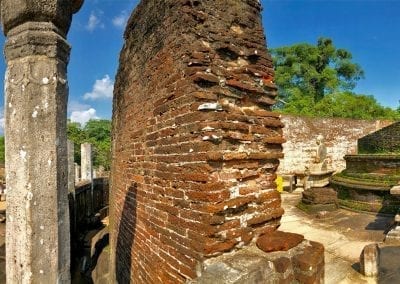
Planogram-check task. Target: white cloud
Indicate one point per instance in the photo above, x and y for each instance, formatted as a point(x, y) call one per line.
point(83, 116)
point(77, 106)
point(102, 89)
point(120, 20)
point(94, 21)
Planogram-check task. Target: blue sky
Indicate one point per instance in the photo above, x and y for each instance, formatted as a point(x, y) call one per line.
point(370, 29)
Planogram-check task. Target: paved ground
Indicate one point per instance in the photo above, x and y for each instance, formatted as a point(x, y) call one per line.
point(344, 234)
point(2, 253)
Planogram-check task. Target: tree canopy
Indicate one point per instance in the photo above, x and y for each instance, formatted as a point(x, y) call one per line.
point(2, 149)
point(316, 80)
point(97, 133)
point(314, 70)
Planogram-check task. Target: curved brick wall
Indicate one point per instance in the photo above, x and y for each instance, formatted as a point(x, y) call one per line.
point(384, 141)
point(195, 146)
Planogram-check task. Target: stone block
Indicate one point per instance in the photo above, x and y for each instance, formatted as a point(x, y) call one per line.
point(395, 190)
point(369, 260)
point(324, 195)
point(303, 263)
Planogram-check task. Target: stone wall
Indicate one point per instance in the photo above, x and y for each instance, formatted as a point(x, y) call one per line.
point(340, 138)
point(386, 140)
point(195, 145)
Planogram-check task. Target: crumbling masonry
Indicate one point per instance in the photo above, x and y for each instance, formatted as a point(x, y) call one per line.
point(195, 144)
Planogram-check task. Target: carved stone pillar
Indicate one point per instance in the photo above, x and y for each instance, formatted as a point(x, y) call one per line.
point(36, 91)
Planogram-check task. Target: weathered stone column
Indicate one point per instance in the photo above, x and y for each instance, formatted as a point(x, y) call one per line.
point(71, 166)
point(77, 173)
point(36, 91)
point(86, 162)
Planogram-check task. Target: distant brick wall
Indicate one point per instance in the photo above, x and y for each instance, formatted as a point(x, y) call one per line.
point(340, 138)
point(195, 145)
point(386, 140)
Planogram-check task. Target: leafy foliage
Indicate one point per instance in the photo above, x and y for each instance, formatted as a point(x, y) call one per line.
point(97, 133)
point(314, 70)
point(316, 80)
point(2, 149)
point(350, 105)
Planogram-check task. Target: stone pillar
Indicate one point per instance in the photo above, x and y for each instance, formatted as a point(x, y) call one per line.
point(86, 162)
point(71, 167)
point(36, 91)
point(77, 173)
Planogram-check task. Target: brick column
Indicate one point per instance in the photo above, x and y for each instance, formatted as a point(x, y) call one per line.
point(36, 91)
point(195, 143)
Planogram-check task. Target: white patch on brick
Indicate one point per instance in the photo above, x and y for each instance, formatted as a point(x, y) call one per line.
point(210, 106)
point(234, 191)
point(208, 128)
point(45, 80)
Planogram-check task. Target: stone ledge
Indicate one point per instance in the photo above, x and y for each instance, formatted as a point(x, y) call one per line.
point(303, 263)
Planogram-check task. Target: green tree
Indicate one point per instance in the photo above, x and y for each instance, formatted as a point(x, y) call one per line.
point(78, 136)
point(349, 105)
point(97, 133)
point(2, 149)
point(313, 70)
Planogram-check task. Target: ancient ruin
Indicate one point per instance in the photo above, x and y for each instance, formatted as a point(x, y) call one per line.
point(196, 149)
point(36, 145)
point(369, 176)
point(196, 145)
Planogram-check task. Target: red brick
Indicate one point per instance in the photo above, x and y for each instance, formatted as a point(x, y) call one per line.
point(185, 205)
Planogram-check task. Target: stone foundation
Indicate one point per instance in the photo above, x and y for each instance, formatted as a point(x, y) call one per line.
point(301, 264)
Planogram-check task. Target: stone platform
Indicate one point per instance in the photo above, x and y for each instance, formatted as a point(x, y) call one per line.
point(344, 234)
point(304, 264)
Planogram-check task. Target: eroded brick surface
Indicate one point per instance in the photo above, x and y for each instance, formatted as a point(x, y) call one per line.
point(195, 145)
point(278, 241)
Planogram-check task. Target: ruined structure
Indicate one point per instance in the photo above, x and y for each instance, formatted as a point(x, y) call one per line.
point(340, 135)
point(370, 175)
point(195, 144)
point(37, 240)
